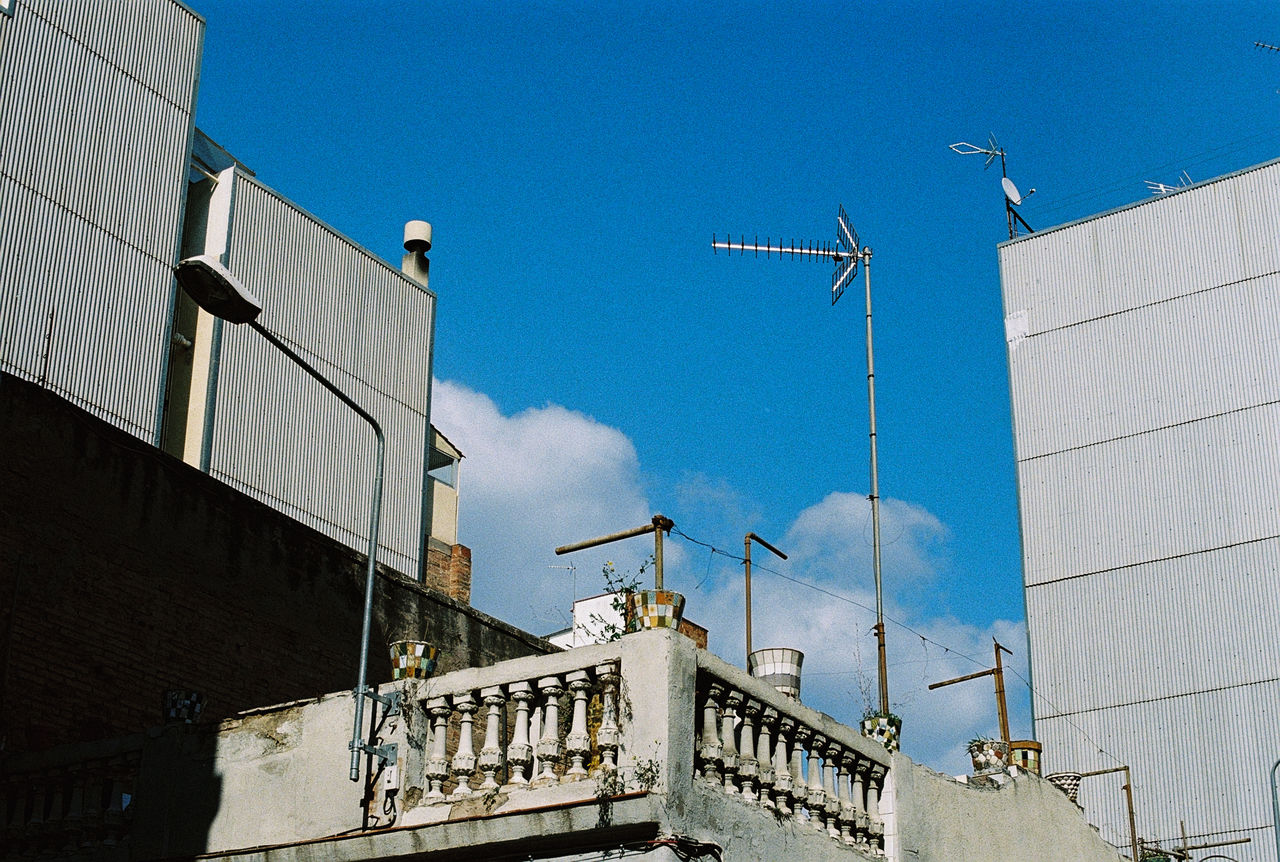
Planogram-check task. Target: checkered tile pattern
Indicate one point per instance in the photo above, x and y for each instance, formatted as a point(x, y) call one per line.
point(1025, 754)
point(413, 660)
point(778, 666)
point(183, 705)
point(654, 609)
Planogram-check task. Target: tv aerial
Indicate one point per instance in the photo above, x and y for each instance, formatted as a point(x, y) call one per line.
point(1012, 197)
point(846, 253)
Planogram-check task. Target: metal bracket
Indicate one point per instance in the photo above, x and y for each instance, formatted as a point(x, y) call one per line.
point(390, 702)
point(385, 753)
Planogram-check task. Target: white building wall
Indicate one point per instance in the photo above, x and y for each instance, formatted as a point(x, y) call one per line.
point(1144, 357)
point(96, 103)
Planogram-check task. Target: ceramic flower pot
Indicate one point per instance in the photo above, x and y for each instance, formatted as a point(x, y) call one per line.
point(884, 729)
point(778, 666)
point(1067, 782)
point(989, 756)
point(413, 659)
point(654, 609)
point(1025, 754)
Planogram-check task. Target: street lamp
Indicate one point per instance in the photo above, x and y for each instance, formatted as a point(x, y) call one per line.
point(212, 286)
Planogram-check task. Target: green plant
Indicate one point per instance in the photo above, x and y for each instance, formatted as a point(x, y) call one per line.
point(647, 773)
point(620, 585)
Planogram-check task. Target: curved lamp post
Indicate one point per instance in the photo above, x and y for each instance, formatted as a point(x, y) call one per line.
point(212, 286)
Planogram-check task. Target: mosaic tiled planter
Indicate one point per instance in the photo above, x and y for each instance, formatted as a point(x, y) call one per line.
point(654, 609)
point(1067, 782)
point(778, 666)
point(183, 706)
point(1025, 754)
point(413, 659)
point(989, 756)
point(884, 729)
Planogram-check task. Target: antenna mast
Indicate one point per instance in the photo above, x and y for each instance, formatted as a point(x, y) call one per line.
point(846, 254)
point(1012, 197)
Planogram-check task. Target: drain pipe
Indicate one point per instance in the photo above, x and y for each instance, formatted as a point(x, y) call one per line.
point(1275, 808)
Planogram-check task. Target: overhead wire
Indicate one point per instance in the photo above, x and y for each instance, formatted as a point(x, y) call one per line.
point(924, 639)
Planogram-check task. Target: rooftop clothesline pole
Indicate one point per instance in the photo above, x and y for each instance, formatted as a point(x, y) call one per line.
point(746, 561)
point(1002, 712)
point(659, 525)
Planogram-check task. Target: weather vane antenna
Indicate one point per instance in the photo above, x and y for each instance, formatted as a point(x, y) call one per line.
point(846, 253)
point(1012, 197)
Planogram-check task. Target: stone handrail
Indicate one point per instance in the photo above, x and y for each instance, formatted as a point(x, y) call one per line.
point(68, 800)
point(760, 746)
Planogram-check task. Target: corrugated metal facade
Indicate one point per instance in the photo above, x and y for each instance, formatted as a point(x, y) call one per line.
point(96, 102)
point(278, 435)
point(1144, 357)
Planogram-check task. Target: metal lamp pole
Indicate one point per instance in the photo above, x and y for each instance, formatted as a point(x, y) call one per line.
point(220, 293)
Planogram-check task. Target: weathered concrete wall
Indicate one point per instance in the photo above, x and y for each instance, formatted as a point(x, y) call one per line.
point(124, 572)
point(939, 819)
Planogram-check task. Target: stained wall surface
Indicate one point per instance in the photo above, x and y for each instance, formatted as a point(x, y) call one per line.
point(1144, 361)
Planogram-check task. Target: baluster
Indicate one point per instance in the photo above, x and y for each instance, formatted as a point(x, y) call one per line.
point(113, 817)
point(491, 754)
point(848, 814)
point(817, 793)
point(709, 747)
point(75, 810)
point(53, 824)
point(876, 828)
point(729, 754)
point(748, 766)
point(464, 759)
point(830, 781)
point(549, 744)
point(578, 742)
point(34, 827)
point(764, 755)
point(607, 735)
point(437, 770)
point(519, 751)
point(535, 736)
point(799, 787)
point(93, 793)
point(782, 783)
point(858, 793)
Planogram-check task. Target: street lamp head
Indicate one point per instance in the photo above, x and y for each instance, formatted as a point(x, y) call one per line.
point(216, 290)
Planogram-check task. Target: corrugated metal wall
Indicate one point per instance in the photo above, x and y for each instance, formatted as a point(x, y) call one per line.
point(96, 102)
point(278, 435)
point(1144, 359)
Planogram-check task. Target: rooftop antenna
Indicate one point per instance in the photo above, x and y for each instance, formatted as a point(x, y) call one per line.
point(845, 254)
point(1012, 197)
point(1267, 47)
point(1163, 189)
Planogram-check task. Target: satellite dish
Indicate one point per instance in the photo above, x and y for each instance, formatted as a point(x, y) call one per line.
point(1011, 191)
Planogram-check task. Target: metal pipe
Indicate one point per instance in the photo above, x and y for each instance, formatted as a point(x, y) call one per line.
point(746, 543)
point(375, 515)
point(1128, 792)
point(1002, 709)
point(1275, 808)
point(659, 525)
point(875, 493)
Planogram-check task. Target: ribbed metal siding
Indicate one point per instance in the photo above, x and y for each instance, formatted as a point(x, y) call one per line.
point(1201, 759)
point(95, 109)
point(1183, 489)
point(1146, 405)
point(278, 435)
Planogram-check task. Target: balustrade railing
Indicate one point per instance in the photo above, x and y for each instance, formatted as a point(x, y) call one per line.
point(764, 756)
point(561, 720)
point(67, 802)
point(542, 730)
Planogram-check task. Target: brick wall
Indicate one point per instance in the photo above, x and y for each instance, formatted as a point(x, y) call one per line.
point(125, 572)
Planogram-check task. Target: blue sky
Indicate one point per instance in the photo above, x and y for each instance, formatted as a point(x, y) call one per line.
point(597, 363)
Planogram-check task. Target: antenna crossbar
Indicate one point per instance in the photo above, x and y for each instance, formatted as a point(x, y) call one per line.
point(808, 251)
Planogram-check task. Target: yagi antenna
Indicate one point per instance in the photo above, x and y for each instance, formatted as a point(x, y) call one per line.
point(1156, 188)
point(845, 252)
point(1012, 197)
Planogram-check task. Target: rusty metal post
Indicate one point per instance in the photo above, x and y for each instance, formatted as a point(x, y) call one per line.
point(1001, 708)
point(746, 559)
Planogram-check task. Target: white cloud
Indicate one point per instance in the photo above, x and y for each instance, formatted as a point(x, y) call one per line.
point(529, 483)
point(550, 476)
